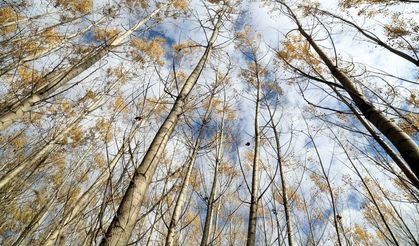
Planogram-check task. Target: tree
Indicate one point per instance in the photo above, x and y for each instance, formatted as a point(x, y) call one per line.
point(124, 221)
point(403, 142)
point(208, 122)
point(54, 80)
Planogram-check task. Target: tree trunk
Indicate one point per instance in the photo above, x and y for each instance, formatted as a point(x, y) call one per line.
point(383, 219)
point(404, 144)
point(78, 206)
point(394, 156)
point(55, 80)
point(120, 229)
point(211, 200)
point(190, 164)
point(254, 199)
point(42, 213)
point(288, 218)
point(33, 160)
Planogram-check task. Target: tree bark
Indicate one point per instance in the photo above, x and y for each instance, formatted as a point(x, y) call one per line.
point(78, 206)
point(393, 155)
point(56, 80)
point(40, 216)
point(190, 164)
point(122, 225)
point(211, 200)
point(49, 147)
point(254, 199)
point(404, 143)
point(288, 218)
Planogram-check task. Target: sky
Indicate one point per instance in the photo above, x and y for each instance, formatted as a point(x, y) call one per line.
point(297, 119)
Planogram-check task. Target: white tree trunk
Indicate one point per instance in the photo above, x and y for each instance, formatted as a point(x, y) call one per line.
point(254, 197)
point(182, 193)
point(119, 231)
point(56, 80)
point(211, 200)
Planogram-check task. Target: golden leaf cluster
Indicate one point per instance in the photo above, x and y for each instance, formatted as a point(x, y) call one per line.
point(106, 34)
point(118, 103)
point(102, 127)
point(51, 36)
point(99, 160)
point(67, 108)
point(154, 49)
point(59, 160)
point(360, 233)
point(181, 4)
point(319, 182)
point(76, 6)
point(273, 87)
point(19, 142)
point(247, 39)
point(90, 95)
point(7, 15)
point(252, 74)
point(356, 3)
point(413, 100)
point(410, 124)
point(295, 48)
point(249, 155)
point(186, 47)
point(227, 169)
point(133, 3)
point(29, 77)
point(118, 73)
point(398, 27)
point(194, 181)
point(76, 135)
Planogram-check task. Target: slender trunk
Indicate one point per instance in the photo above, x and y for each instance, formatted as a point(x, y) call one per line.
point(403, 142)
point(120, 229)
point(399, 219)
point(33, 160)
point(216, 215)
point(46, 51)
point(78, 206)
point(26, 19)
point(55, 80)
point(42, 213)
point(394, 156)
point(329, 187)
point(369, 193)
point(211, 200)
point(278, 230)
point(284, 194)
point(254, 199)
point(190, 164)
point(375, 39)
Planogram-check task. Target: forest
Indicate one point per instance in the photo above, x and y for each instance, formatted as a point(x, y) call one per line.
point(209, 122)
